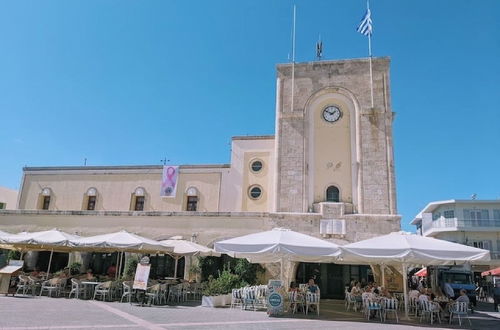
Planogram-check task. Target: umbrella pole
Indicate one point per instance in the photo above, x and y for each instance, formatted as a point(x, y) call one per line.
point(175, 267)
point(405, 290)
point(383, 275)
point(50, 261)
point(281, 271)
point(22, 254)
point(117, 264)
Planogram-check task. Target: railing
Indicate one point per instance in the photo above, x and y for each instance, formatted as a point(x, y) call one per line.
point(495, 254)
point(459, 223)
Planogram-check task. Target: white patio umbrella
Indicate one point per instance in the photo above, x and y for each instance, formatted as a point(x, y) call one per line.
point(278, 245)
point(404, 248)
point(121, 241)
point(187, 248)
point(52, 240)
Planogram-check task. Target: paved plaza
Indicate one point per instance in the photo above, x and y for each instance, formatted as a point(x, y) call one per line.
point(62, 313)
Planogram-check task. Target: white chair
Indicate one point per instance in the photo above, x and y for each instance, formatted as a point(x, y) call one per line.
point(103, 290)
point(429, 309)
point(24, 285)
point(375, 307)
point(50, 286)
point(312, 299)
point(261, 295)
point(175, 293)
point(163, 293)
point(295, 300)
point(127, 291)
point(460, 309)
point(249, 298)
point(76, 288)
point(413, 306)
point(350, 301)
point(236, 298)
point(390, 306)
point(153, 294)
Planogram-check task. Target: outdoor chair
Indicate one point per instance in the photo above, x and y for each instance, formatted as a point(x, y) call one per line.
point(312, 299)
point(303, 287)
point(236, 298)
point(413, 306)
point(25, 285)
point(261, 295)
point(249, 298)
point(296, 300)
point(350, 300)
point(76, 288)
point(373, 307)
point(127, 291)
point(429, 309)
point(36, 284)
point(459, 309)
point(153, 294)
point(198, 290)
point(103, 290)
point(175, 293)
point(52, 285)
point(401, 300)
point(163, 293)
point(390, 306)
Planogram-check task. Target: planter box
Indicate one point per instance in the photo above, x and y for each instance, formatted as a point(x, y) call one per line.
point(216, 301)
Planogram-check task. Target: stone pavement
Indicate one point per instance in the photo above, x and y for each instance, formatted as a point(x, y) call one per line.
point(61, 313)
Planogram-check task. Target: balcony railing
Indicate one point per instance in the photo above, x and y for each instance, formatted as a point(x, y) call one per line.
point(455, 223)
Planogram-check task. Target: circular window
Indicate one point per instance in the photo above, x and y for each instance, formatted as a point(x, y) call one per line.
point(256, 166)
point(255, 192)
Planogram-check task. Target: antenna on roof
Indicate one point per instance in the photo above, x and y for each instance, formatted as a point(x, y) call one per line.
point(165, 161)
point(473, 196)
point(85, 161)
point(319, 49)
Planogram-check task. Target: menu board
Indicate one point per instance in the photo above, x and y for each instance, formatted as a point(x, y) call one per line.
point(141, 277)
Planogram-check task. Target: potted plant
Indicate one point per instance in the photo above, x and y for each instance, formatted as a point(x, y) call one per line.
point(217, 292)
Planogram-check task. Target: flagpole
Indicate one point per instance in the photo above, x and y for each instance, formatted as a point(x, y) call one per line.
point(293, 58)
point(370, 55)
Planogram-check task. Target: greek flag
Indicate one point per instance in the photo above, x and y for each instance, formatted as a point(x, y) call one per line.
point(365, 27)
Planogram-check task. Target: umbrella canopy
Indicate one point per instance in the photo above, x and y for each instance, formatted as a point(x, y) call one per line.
point(121, 241)
point(401, 247)
point(278, 244)
point(42, 240)
point(185, 248)
point(493, 272)
point(422, 272)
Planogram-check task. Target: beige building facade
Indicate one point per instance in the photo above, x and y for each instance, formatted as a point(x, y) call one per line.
point(327, 172)
point(8, 199)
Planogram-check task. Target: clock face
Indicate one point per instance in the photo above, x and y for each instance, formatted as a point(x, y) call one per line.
point(332, 113)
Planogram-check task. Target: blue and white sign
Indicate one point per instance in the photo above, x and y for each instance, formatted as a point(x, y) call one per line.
point(275, 298)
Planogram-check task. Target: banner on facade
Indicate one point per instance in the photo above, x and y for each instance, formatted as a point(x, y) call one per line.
point(169, 181)
point(141, 277)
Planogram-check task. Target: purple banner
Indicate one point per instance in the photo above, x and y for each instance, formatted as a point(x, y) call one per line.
point(169, 181)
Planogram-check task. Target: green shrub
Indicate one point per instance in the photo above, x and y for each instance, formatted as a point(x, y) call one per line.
point(74, 268)
point(222, 284)
point(211, 266)
point(130, 267)
point(13, 255)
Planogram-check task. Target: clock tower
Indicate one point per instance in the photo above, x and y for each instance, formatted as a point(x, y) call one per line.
point(331, 144)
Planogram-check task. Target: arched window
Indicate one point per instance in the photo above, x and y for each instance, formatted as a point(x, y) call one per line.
point(138, 199)
point(332, 194)
point(192, 199)
point(45, 195)
point(91, 199)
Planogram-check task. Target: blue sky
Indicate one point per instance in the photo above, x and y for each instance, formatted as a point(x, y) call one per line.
point(131, 82)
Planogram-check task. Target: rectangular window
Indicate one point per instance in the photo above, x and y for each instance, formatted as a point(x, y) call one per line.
point(139, 203)
point(477, 244)
point(46, 202)
point(2, 206)
point(449, 214)
point(192, 203)
point(496, 214)
point(91, 203)
point(436, 215)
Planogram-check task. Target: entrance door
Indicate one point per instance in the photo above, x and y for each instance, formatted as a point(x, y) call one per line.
point(335, 281)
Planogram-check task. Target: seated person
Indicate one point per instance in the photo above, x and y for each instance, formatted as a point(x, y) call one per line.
point(423, 297)
point(368, 294)
point(414, 293)
point(312, 287)
point(430, 294)
point(111, 272)
point(293, 287)
point(88, 276)
point(385, 293)
point(463, 297)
